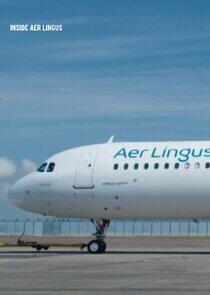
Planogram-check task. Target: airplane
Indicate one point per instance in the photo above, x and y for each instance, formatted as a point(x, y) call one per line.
point(120, 180)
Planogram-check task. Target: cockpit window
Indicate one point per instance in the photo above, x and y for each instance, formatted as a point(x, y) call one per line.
point(42, 167)
point(51, 167)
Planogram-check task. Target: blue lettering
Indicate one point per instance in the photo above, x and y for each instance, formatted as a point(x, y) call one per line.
point(197, 155)
point(184, 155)
point(154, 155)
point(121, 152)
point(142, 152)
point(207, 153)
point(175, 151)
point(164, 152)
point(133, 153)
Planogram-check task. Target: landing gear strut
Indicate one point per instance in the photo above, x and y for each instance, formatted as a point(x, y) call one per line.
point(98, 245)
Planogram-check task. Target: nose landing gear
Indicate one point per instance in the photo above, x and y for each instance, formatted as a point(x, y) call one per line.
point(98, 245)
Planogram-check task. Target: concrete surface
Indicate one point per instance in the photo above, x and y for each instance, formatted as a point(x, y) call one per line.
point(131, 266)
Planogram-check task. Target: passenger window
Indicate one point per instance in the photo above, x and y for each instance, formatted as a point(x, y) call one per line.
point(146, 166)
point(136, 166)
point(197, 165)
point(176, 166)
point(156, 166)
point(51, 167)
point(42, 167)
point(116, 166)
point(187, 165)
point(207, 165)
point(126, 166)
point(166, 165)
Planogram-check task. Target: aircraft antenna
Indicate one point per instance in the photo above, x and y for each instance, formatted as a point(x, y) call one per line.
point(111, 139)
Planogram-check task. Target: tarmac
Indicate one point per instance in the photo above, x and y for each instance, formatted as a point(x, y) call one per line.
point(130, 266)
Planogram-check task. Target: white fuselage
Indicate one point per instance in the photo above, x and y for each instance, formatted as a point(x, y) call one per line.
point(121, 180)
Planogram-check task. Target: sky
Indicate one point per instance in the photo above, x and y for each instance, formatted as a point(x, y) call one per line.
point(139, 70)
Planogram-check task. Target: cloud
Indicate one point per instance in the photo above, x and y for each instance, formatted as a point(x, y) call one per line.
point(27, 166)
point(7, 168)
point(4, 187)
point(10, 172)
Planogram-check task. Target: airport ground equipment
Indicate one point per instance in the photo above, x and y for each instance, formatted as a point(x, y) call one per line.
point(40, 246)
point(32, 244)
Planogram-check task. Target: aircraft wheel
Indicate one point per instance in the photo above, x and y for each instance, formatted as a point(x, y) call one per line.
point(46, 248)
point(38, 247)
point(96, 246)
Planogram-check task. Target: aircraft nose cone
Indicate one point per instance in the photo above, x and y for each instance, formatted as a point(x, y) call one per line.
point(17, 192)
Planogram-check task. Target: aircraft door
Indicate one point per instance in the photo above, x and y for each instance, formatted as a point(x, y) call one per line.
point(85, 168)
